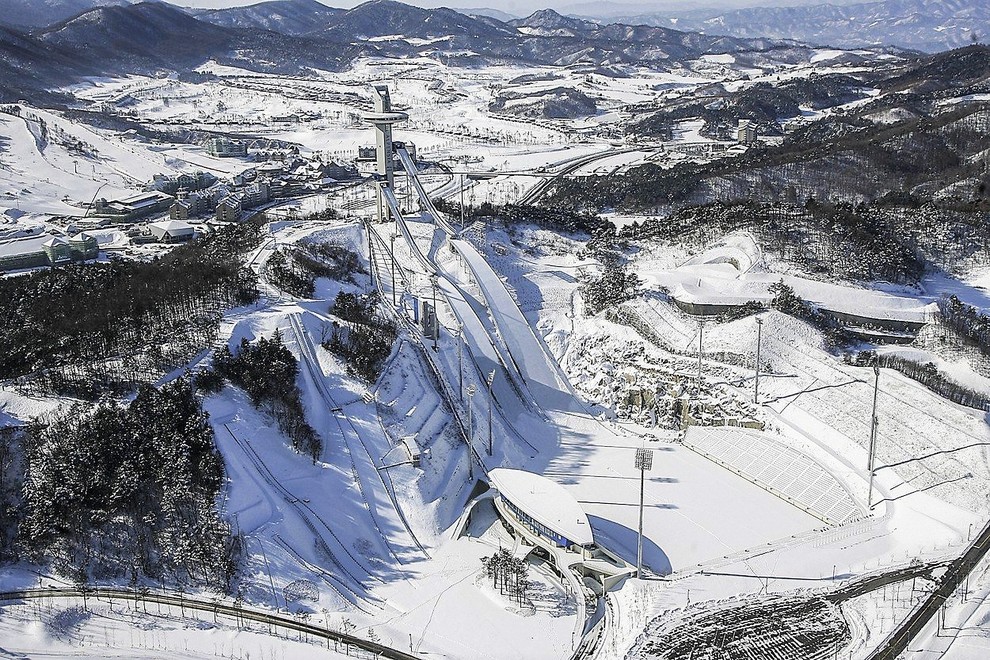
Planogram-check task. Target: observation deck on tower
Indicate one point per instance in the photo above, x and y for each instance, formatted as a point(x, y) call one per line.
point(383, 119)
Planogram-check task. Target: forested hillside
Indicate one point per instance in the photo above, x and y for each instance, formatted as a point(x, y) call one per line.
point(88, 329)
point(127, 492)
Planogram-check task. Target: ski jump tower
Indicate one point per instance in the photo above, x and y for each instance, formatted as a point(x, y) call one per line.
point(382, 119)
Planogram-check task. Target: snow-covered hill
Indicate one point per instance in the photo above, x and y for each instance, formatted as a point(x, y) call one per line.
point(39, 13)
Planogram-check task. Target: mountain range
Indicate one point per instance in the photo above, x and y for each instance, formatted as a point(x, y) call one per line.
point(40, 13)
point(296, 17)
point(290, 36)
point(927, 25)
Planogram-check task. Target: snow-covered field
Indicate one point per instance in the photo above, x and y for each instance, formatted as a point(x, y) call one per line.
point(59, 628)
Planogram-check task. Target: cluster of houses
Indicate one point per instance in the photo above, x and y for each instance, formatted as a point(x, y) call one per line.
point(200, 194)
point(254, 187)
point(280, 173)
point(222, 201)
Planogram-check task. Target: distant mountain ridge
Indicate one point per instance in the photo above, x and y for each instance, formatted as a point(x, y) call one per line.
point(292, 36)
point(292, 17)
point(378, 18)
point(41, 13)
point(928, 25)
point(550, 23)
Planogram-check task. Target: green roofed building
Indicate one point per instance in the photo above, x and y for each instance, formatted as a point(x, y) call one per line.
point(46, 250)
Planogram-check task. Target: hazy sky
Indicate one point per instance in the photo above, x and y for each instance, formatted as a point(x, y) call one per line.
point(526, 7)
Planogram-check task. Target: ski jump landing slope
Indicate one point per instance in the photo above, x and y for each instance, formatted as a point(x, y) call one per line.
point(538, 371)
point(486, 354)
point(549, 387)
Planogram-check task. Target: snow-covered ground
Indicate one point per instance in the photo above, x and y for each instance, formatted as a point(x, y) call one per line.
point(364, 536)
point(734, 272)
point(60, 628)
point(811, 402)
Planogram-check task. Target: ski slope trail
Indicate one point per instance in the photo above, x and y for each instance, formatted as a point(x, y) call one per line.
point(484, 352)
point(496, 332)
point(379, 502)
point(478, 356)
point(530, 358)
point(491, 318)
point(346, 582)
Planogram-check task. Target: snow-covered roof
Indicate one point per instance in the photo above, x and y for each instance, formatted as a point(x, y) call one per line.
point(55, 240)
point(545, 501)
point(144, 199)
point(20, 246)
point(172, 226)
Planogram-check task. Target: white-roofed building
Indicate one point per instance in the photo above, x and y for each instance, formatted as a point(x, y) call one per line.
point(543, 514)
point(46, 250)
point(172, 231)
point(543, 506)
point(83, 246)
point(57, 249)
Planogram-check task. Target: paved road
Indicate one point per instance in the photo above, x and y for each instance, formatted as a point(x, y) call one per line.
point(898, 640)
point(537, 191)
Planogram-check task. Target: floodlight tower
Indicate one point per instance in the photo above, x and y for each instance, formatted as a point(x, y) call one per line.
point(382, 119)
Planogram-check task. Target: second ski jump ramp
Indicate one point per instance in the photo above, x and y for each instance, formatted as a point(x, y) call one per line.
point(541, 374)
point(548, 386)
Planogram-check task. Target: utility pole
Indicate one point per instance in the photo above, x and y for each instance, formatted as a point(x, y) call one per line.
point(701, 338)
point(759, 343)
point(392, 253)
point(435, 321)
point(462, 201)
point(644, 463)
point(460, 364)
point(873, 435)
point(471, 389)
point(491, 379)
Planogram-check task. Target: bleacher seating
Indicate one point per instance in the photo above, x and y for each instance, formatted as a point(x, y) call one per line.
point(777, 468)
